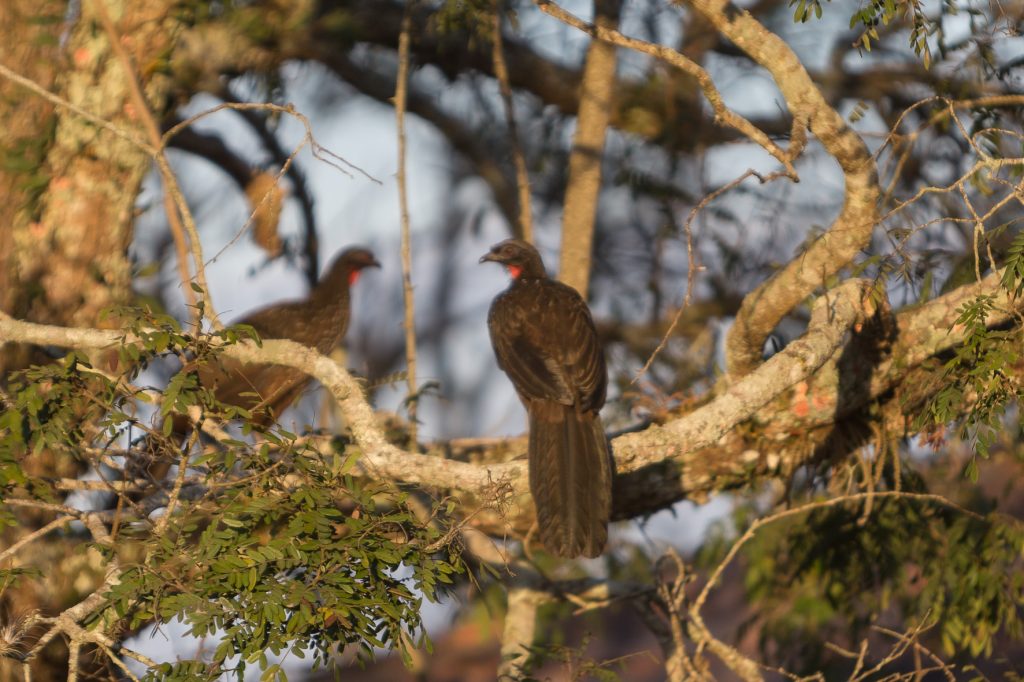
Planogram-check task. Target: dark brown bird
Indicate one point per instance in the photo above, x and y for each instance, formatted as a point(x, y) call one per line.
point(544, 339)
point(319, 321)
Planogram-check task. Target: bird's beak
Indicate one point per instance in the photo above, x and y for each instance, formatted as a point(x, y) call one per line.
point(489, 256)
point(373, 264)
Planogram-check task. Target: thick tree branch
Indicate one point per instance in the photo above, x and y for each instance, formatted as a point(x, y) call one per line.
point(690, 456)
point(764, 307)
point(525, 596)
point(702, 428)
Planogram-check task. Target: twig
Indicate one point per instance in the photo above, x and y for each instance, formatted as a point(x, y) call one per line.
point(669, 630)
point(522, 178)
point(179, 481)
point(259, 125)
point(401, 94)
point(692, 267)
point(723, 115)
point(918, 647)
point(118, 662)
point(35, 535)
point(320, 152)
point(262, 202)
point(74, 108)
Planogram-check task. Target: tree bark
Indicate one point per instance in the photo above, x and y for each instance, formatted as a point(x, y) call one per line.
point(765, 306)
point(63, 249)
point(32, 49)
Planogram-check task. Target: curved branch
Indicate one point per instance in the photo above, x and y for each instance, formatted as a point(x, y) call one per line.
point(701, 428)
point(688, 457)
point(257, 121)
point(764, 307)
point(723, 115)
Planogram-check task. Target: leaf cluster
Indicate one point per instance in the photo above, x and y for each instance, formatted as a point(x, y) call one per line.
point(304, 569)
point(271, 547)
point(979, 370)
point(830, 575)
point(881, 12)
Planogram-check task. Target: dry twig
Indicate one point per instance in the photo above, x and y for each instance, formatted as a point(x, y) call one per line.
point(401, 93)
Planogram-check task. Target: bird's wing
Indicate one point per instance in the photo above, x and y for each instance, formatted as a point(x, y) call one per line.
point(251, 385)
point(520, 352)
point(572, 340)
point(544, 339)
point(275, 322)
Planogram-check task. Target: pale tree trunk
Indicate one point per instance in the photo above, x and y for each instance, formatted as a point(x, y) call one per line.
point(584, 188)
point(31, 49)
point(74, 257)
point(63, 247)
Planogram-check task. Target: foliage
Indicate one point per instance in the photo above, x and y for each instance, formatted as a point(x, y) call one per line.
point(832, 574)
point(877, 13)
point(273, 547)
point(979, 371)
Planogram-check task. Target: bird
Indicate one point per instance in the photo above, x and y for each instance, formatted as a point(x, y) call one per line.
point(544, 340)
point(318, 321)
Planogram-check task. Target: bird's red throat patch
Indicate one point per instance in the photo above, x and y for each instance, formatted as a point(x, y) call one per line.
point(514, 271)
point(353, 276)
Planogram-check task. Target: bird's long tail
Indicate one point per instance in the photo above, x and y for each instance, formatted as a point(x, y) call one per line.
point(570, 478)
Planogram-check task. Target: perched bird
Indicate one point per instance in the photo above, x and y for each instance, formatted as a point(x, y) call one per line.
point(319, 321)
point(544, 339)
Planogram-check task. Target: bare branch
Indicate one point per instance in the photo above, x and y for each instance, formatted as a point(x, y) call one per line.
point(522, 178)
point(403, 200)
point(723, 115)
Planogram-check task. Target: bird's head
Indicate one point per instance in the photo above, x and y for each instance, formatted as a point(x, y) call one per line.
point(519, 258)
point(357, 259)
point(349, 264)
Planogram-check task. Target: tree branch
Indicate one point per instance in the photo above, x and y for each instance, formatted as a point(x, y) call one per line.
point(764, 307)
point(686, 457)
point(409, 322)
point(519, 632)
